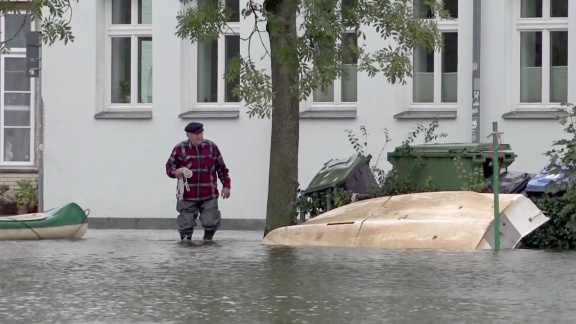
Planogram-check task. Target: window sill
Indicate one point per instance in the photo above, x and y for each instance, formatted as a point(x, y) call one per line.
point(124, 114)
point(534, 114)
point(330, 112)
point(428, 114)
point(212, 112)
point(18, 169)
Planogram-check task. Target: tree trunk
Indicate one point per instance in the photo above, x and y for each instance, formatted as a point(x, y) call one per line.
point(283, 174)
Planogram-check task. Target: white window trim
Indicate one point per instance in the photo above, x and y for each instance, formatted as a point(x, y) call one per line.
point(191, 107)
point(444, 26)
point(337, 85)
point(535, 24)
point(127, 30)
point(18, 52)
point(234, 29)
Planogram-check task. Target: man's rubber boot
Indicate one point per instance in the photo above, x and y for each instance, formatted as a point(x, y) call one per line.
point(208, 235)
point(188, 237)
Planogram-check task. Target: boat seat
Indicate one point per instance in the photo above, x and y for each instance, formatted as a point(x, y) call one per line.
point(23, 217)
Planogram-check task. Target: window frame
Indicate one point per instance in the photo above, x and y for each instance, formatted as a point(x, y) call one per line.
point(337, 86)
point(544, 24)
point(220, 104)
point(134, 31)
point(444, 26)
point(17, 52)
point(336, 108)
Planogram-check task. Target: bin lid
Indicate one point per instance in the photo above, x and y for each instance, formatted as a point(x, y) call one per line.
point(334, 172)
point(450, 148)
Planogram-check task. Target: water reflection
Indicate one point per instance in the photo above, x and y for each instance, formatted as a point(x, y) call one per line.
point(147, 276)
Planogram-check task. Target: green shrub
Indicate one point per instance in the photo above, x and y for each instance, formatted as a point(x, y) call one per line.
point(559, 232)
point(559, 201)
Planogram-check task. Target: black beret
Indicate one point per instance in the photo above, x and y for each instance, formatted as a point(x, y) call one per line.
point(194, 127)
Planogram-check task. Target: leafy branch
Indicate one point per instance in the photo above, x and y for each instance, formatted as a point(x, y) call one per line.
point(320, 46)
point(53, 26)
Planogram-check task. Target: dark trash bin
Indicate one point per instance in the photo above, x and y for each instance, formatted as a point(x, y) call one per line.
point(352, 173)
point(349, 174)
point(511, 182)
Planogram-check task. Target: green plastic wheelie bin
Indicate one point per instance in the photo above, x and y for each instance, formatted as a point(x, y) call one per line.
point(437, 162)
point(352, 173)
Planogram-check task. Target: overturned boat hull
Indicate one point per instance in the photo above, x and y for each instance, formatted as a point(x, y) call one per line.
point(430, 220)
point(65, 222)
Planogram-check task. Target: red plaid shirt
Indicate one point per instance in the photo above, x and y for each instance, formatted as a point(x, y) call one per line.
point(205, 162)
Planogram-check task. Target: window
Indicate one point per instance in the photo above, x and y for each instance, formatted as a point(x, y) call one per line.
point(17, 100)
point(435, 73)
point(343, 90)
point(129, 50)
point(212, 59)
point(541, 52)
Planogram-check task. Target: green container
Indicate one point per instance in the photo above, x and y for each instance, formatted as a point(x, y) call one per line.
point(352, 173)
point(438, 163)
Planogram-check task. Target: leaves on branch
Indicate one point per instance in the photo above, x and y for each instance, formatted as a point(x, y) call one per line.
point(54, 17)
point(331, 36)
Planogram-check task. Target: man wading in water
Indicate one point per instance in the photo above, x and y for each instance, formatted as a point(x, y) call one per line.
point(196, 162)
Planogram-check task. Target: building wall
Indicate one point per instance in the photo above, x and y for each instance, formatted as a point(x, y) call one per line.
point(115, 167)
point(11, 179)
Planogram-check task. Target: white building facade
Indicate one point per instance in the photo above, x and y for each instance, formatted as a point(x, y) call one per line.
point(117, 100)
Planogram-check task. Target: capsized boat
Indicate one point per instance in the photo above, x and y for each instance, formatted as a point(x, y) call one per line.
point(66, 222)
point(430, 220)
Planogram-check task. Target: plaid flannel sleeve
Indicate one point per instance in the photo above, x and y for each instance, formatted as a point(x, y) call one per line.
point(173, 163)
point(222, 169)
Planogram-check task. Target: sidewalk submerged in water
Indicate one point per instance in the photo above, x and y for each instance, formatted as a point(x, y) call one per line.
point(169, 223)
point(170, 235)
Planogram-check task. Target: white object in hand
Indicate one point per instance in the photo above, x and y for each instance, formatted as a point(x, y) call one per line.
point(183, 183)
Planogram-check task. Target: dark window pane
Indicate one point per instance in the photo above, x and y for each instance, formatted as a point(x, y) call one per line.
point(121, 60)
point(207, 72)
point(452, 7)
point(145, 12)
point(16, 99)
point(531, 66)
point(422, 9)
point(558, 8)
point(15, 29)
point(423, 79)
point(234, 7)
point(232, 46)
point(144, 69)
point(15, 77)
point(17, 144)
point(531, 9)
point(121, 12)
point(349, 86)
point(16, 116)
point(558, 66)
point(450, 67)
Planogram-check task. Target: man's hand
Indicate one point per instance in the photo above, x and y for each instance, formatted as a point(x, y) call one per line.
point(225, 192)
point(178, 173)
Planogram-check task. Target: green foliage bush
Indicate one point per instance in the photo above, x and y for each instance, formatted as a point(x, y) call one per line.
point(560, 231)
point(559, 200)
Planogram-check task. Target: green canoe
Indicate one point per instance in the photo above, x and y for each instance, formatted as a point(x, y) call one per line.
point(65, 222)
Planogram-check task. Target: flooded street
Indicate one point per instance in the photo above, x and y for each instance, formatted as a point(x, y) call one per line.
point(128, 276)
